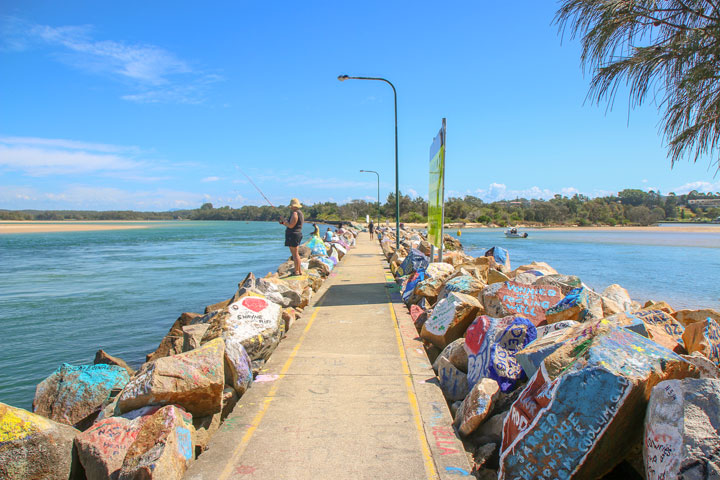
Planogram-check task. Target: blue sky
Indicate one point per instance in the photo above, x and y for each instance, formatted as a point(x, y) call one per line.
point(160, 105)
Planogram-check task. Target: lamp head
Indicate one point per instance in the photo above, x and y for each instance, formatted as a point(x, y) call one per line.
point(342, 78)
point(362, 170)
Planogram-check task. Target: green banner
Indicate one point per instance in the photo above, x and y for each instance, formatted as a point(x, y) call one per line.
point(436, 193)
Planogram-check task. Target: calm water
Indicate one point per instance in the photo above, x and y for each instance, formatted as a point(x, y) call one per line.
point(65, 295)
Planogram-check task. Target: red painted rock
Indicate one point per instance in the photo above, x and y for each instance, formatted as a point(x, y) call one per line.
point(450, 318)
point(682, 430)
point(704, 337)
point(163, 449)
point(583, 410)
point(529, 301)
point(192, 380)
point(476, 406)
point(73, 395)
point(33, 447)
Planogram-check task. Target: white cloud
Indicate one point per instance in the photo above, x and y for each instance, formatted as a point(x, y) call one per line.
point(412, 192)
point(500, 191)
point(210, 179)
point(700, 186)
point(644, 180)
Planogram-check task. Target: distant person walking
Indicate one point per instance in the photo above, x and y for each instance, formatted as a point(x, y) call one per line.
point(371, 229)
point(293, 232)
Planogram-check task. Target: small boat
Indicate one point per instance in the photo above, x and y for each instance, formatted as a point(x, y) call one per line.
point(513, 233)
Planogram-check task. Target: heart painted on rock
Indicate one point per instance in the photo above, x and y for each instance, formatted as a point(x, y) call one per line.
point(255, 304)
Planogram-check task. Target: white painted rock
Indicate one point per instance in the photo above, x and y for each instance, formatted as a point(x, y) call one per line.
point(682, 430)
point(450, 318)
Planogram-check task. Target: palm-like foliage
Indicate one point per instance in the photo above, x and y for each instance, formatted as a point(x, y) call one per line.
point(666, 50)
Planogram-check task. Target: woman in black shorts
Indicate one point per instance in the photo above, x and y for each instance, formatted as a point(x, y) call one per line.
point(293, 232)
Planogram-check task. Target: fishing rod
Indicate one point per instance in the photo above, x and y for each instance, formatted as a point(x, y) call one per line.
point(256, 188)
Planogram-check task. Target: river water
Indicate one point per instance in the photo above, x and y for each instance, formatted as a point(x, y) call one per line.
point(63, 296)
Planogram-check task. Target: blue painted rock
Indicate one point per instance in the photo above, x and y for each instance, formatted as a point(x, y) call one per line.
point(682, 430)
point(476, 406)
point(660, 326)
point(414, 261)
point(409, 288)
point(192, 380)
point(450, 318)
point(74, 394)
point(163, 449)
point(501, 257)
point(466, 284)
point(453, 382)
point(492, 345)
point(583, 409)
point(615, 299)
point(580, 305)
point(704, 337)
point(33, 447)
point(511, 298)
point(253, 320)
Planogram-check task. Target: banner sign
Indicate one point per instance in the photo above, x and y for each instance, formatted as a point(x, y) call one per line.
point(436, 193)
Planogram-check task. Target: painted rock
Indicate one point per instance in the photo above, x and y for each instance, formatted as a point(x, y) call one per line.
point(430, 288)
point(102, 448)
point(544, 330)
point(453, 382)
point(706, 367)
point(102, 357)
point(455, 353)
point(580, 305)
point(193, 380)
point(163, 449)
point(501, 257)
point(477, 406)
point(317, 263)
point(492, 345)
point(682, 430)
point(192, 336)
point(238, 369)
point(412, 282)
point(439, 270)
point(253, 320)
point(529, 301)
point(414, 261)
point(564, 283)
point(541, 267)
point(583, 409)
point(172, 342)
point(466, 284)
point(662, 328)
point(704, 337)
point(291, 297)
point(686, 317)
point(528, 278)
point(74, 394)
point(450, 318)
point(615, 299)
point(33, 447)
point(418, 315)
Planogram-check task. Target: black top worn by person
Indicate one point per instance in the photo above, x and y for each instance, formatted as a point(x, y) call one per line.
point(293, 236)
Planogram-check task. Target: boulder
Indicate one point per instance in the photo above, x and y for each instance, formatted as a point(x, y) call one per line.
point(172, 343)
point(527, 278)
point(73, 395)
point(476, 406)
point(193, 380)
point(192, 336)
point(238, 368)
point(205, 427)
point(304, 251)
point(413, 262)
point(453, 382)
point(163, 449)
point(580, 305)
point(615, 299)
point(682, 430)
point(455, 258)
point(291, 292)
point(455, 353)
point(102, 357)
point(706, 367)
point(544, 330)
point(439, 270)
point(409, 286)
point(418, 315)
point(492, 345)
point(661, 327)
point(289, 315)
point(686, 317)
point(704, 337)
point(429, 288)
point(450, 318)
point(255, 321)
point(33, 447)
point(285, 268)
point(466, 284)
point(451, 243)
point(653, 305)
point(501, 258)
point(495, 276)
point(323, 267)
point(512, 298)
point(583, 409)
point(541, 268)
point(564, 283)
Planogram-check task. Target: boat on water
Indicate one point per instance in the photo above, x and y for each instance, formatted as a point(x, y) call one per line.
point(514, 233)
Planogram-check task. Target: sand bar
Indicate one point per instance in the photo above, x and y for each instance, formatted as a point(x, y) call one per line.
point(711, 228)
point(45, 227)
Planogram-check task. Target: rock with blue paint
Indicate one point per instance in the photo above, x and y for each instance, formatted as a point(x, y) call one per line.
point(409, 287)
point(584, 408)
point(704, 337)
point(193, 380)
point(453, 382)
point(492, 345)
point(500, 256)
point(33, 447)
point(579, 304)
point(413, 262)
point(476, 406)
point(450, 318)
point(466, 284)
point(73, 395)
point(658, 325)
point(163, 448)
point(682, 430)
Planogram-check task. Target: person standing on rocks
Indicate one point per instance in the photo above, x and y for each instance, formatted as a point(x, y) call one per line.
point(293, 232)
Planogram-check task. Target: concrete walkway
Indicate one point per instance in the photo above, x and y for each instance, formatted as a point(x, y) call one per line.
point(348, 394)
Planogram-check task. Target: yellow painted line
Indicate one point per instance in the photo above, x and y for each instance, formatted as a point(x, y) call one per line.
point(427, 456)
point(240, 448)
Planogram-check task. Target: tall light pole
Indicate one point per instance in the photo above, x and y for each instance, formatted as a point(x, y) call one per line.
point(342, 78)
point(378, 202)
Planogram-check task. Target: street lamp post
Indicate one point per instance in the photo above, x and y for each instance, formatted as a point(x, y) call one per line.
point(378, 201)
point(342, 78)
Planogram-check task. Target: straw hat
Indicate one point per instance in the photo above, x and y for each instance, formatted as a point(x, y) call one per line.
point(295, 203)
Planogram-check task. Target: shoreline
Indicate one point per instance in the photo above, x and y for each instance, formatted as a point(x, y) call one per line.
point(40, 226)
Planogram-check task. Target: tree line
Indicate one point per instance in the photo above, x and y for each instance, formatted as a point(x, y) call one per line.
point(628, 207)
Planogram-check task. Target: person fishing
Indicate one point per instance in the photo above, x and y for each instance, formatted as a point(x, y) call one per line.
point(293, 232)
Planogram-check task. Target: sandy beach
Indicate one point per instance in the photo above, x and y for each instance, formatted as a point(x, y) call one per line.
point(50, 227)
